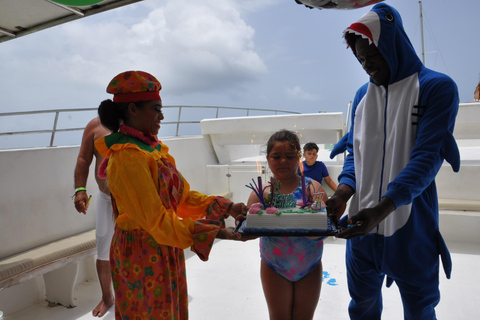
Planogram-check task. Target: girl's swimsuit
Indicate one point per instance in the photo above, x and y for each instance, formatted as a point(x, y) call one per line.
point(291, 257)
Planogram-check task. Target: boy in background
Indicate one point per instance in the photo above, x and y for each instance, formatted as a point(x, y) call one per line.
point(315, 169)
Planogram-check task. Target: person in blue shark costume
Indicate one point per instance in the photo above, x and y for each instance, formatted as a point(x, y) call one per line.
point(402, 125)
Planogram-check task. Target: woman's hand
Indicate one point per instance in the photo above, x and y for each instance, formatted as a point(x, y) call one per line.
point(237, 209)
point(240, 218)
point(228, 234)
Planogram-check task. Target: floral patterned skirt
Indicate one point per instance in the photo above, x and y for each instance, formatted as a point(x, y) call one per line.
point(149, 279)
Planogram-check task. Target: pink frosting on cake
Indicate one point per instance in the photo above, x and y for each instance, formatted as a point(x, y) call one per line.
point(271, 210)
point(255, 208)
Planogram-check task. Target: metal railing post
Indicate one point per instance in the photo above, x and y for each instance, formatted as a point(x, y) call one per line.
point(54, 128)
point(178, 120)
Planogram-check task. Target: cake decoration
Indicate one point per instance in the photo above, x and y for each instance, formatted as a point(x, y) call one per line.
point(282, 214)
point(258, 189)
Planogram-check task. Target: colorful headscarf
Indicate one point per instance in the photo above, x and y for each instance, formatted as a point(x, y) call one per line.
point(133, 86)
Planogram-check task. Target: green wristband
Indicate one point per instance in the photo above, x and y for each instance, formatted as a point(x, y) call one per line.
point(80, 189)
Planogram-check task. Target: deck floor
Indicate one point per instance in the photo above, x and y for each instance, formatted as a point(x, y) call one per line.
point(228, 287)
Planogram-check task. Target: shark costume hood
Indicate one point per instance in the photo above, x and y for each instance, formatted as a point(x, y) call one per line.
point(383, 27)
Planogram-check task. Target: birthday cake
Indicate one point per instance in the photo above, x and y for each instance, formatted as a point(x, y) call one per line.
point(282, 214)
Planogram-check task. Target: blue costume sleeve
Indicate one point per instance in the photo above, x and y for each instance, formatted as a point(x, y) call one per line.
point(439, 94)
point(340, 146)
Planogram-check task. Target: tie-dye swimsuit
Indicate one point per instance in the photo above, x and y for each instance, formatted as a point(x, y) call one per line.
point(291, 257)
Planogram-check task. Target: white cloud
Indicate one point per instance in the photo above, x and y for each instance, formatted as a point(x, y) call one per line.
point(190, 46)
point(298, 93)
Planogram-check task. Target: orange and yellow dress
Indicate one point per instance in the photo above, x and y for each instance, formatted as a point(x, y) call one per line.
point(157, 216)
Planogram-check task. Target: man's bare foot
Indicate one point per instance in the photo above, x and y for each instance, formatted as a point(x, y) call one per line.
point(102, 308)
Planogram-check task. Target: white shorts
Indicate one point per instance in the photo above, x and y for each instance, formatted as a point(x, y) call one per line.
point(105, 226)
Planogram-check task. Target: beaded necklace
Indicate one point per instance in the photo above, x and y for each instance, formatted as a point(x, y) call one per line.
point(146, 136)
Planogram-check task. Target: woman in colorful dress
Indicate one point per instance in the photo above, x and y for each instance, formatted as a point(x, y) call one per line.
point(156, 213)
point(291, 267)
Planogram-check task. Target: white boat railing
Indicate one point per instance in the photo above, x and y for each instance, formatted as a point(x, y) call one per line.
point(48, 123)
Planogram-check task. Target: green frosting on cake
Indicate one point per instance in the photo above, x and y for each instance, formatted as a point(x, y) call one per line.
point(286, 202)
point(283, 201)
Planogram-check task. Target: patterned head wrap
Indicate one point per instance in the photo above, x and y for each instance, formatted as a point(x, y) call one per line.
point(133, 86)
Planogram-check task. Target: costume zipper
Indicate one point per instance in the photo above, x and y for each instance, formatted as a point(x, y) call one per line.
point(384, 144)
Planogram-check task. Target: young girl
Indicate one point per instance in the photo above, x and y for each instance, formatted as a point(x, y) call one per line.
point(291, 267)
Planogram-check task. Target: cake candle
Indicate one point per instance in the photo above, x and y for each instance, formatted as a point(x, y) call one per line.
point(274, 186)
point(260, 187)
point(309, 192)
point(259, 179)
point(304, 191)
point(302, 177)
point(258, 191)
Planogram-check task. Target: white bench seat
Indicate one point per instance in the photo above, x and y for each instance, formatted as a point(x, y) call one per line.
point(56, 261)
point(459, 205)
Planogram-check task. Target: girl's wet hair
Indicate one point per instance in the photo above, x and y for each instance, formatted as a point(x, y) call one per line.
point(284, 136)
point(113, 114)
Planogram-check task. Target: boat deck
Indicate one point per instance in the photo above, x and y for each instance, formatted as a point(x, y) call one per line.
point(228, 287)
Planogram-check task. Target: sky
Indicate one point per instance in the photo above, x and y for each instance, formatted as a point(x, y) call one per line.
point(271, 54)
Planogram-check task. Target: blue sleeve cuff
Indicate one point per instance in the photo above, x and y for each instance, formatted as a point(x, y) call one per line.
point(396, 197)
point(348, 181)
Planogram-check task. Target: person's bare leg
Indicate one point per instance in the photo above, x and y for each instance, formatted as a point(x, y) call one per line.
point(306, 293)
point(105, 278)
point(278, 293)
